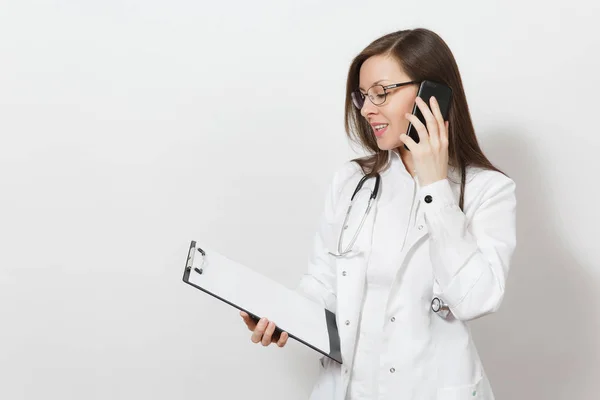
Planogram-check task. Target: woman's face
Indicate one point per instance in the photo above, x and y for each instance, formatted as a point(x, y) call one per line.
point(384, 70)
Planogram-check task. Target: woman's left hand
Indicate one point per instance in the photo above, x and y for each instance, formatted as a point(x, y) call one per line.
point(430, 155)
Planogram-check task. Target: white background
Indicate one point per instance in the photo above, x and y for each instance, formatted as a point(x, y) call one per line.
point(129, 128)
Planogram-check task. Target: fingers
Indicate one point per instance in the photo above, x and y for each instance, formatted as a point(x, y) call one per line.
point(442, 125)
point(437, 113)
point(259, 331)
point(408, 141)
point(283, 339)
point(264, 331)
point(436, 131)
point(268, 335)
point(421, 130)
point(432, 124)
point(250, 323)
point(444, 136)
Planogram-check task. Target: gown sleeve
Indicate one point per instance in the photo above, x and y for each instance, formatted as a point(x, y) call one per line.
point(471, 258)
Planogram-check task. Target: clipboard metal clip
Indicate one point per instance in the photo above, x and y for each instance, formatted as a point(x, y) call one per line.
point(190, 258)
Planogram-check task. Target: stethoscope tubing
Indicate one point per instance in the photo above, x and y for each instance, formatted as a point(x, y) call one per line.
point(437, 305)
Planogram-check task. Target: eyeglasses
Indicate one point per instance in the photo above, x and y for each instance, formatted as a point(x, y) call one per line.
point(376, 93)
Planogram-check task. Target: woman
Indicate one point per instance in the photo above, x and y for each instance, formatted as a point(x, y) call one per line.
point(442, 226)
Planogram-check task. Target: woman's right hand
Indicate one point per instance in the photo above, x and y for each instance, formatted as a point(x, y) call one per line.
point(263, 331)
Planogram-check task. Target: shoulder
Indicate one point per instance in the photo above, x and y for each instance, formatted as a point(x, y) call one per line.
point(481, 179)
point(346, 171)
point(344, 176)
point(485, 185)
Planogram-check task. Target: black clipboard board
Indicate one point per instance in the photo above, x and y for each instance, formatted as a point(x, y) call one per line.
point(227, 281)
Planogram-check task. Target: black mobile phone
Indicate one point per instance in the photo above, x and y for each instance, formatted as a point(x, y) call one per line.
point(443, 95)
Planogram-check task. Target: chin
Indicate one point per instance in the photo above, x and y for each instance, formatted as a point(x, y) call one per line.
point(386, 143)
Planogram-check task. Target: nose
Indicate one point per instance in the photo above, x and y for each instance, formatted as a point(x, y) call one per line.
point(368, 108)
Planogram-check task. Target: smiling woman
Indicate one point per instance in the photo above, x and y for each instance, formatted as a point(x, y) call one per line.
point(409, 56)
point(433, 248)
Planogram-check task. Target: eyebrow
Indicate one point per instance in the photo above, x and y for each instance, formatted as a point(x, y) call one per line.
point(374, 83)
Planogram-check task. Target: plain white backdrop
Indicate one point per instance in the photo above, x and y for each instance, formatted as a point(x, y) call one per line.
point(130, 128)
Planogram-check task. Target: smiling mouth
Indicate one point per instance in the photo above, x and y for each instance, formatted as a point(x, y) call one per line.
point(380, 129)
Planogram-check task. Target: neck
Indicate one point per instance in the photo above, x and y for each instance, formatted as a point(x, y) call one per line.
point(407, 159)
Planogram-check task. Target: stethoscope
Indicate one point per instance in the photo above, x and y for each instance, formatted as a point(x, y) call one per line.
point(437, 305)
point(342, 252)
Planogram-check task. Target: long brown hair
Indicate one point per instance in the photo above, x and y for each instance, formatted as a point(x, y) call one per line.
point(423, 55)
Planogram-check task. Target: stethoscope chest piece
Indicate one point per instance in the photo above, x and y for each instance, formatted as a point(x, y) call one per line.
point(439, 307)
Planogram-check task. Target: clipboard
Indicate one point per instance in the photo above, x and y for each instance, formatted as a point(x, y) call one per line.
point(241, 287)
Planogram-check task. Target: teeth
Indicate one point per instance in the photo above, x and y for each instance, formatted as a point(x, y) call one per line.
point(380, 127)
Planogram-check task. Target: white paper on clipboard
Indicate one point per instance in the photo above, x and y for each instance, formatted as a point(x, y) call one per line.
point(259, 296)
